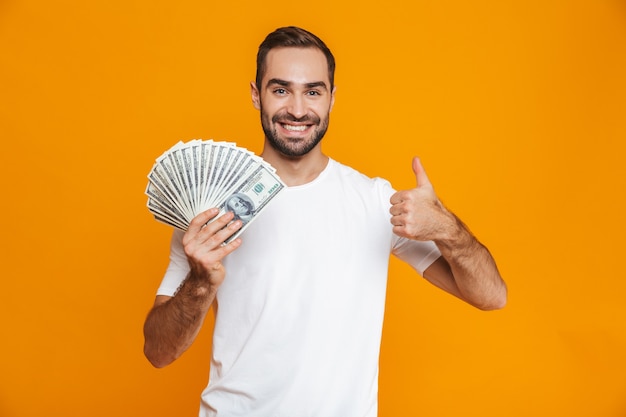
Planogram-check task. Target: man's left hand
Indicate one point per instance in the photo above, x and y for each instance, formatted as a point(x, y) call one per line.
point(417, 213)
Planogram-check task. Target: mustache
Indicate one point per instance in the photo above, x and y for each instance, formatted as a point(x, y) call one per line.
point(286, 117)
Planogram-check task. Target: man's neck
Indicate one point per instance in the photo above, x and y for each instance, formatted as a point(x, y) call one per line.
point(296, 170)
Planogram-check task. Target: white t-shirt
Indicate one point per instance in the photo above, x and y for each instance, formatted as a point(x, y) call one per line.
point(300, 312)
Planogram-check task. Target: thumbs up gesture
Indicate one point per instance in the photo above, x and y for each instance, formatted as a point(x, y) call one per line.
point(417, 213)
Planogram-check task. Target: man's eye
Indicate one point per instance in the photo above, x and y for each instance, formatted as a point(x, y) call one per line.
point(280, 91)
point(313, 93)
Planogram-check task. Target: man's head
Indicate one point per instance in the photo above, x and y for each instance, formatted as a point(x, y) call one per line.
point(293, 37)
point(294, 90)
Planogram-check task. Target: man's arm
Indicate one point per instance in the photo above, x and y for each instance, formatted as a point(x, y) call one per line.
point(466, 269)
point(174, 322)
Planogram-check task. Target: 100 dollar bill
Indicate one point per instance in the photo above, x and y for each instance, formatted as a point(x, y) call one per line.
point(250, 196)
point(192, 177)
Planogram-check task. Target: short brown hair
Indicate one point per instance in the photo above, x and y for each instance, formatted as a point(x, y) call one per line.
point(295, 37)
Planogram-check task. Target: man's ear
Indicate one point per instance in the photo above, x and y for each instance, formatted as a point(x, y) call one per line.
point(332, 98)
point(254, 92)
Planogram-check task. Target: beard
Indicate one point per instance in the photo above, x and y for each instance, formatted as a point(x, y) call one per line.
point(293, 147)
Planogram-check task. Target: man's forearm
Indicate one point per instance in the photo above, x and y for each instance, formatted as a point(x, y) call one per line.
point(474, 269)
point(172, 326)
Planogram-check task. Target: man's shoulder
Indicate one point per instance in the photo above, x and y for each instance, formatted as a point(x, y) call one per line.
point(352, 174)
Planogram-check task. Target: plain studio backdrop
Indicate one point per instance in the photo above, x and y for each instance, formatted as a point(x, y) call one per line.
point(517, 109)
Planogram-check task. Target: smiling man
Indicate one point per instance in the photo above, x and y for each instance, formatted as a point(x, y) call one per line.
point(294, 109)
point(300, 296)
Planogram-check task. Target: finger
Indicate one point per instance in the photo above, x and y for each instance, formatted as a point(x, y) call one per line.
point(217, 224)
point(225, 232)
point(397, 209)
point(221, 251)
point(400, 230)
point(420, 173)
point(202, 219)
point(396, 198)
point(216, 232)
point(211, 243)
point(206, 230)
point(397, 221)
point(400, 197)
point(231, 246)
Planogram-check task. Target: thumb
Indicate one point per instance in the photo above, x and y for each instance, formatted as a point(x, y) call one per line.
point(420, 173)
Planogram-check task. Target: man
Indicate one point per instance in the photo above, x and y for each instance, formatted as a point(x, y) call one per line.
point(299, 297)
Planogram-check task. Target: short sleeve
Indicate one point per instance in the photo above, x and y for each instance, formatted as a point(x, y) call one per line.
point(178, 267)
point(419, 254)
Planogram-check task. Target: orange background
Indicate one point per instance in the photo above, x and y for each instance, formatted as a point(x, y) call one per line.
point(517, 108)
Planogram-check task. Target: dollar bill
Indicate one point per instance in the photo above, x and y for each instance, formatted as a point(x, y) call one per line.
point(192, 177)
point(250, 196)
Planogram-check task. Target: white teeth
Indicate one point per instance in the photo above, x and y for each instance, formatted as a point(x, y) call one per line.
point(300, 128)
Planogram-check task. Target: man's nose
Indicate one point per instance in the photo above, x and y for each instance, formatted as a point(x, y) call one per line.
point(297, 106)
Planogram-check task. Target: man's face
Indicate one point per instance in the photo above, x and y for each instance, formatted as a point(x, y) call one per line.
point(295, 99)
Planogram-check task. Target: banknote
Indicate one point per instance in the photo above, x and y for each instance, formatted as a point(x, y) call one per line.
point(193, 176)
point(251, 195)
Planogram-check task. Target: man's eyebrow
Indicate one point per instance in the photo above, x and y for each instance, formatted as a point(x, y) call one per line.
point(317, 84)
point(278, 81)
point(284, 83)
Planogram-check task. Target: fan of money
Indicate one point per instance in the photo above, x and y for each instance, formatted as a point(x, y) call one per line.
point(193, 176)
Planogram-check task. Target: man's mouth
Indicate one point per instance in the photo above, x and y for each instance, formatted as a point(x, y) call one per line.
point(294, 128)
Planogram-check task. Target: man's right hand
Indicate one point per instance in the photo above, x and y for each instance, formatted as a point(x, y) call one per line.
point(203, 245)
